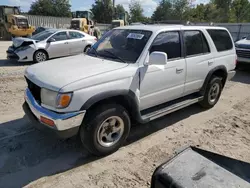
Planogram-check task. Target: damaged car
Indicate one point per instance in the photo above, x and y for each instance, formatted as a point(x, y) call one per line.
point(51, 43)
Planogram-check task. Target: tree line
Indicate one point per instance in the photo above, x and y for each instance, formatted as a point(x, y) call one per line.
point(185, 10)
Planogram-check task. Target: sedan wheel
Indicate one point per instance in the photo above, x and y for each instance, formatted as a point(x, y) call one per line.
point(40, 56)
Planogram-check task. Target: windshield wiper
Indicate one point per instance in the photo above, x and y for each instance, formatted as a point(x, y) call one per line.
point(114, 55)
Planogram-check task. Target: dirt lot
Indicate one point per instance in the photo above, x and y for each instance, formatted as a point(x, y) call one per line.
point(32, 159)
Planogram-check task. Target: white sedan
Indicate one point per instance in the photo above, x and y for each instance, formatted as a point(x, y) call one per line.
point(49, 44)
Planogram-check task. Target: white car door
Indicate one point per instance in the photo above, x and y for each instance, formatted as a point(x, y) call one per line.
point(199, 60)
point(162, 84)
point(76, 42)
point(60, 46)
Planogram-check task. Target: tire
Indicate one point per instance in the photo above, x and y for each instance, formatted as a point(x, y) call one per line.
point(213, 93)
point(101, 120)
point(40, 56)
point(87, 48)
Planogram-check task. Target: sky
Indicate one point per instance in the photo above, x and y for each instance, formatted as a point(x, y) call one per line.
point(148, 5)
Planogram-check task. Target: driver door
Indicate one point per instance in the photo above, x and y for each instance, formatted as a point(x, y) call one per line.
point(166, 83)
point(60, 47)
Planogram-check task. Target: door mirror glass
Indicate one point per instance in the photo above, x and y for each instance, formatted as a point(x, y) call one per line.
point(243, 37)
point(157, 58)
point(51, 40)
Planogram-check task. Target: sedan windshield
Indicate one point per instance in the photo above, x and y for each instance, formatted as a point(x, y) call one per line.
point(122, 45)
point(43, 35)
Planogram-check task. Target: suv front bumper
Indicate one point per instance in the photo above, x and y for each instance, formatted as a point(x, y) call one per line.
point(65, 125)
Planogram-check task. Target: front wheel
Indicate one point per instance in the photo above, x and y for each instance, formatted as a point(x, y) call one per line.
point(40, 56)
point(213, 93)
point(105, 130)
point(87, 49)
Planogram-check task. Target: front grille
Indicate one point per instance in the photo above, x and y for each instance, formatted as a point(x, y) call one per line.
point(243, 53)
point(35, 90)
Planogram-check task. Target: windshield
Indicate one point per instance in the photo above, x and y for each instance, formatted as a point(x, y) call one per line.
point(121, 45)
point(43, 35)
point(116, 24)
point(75, 24)
point(22, 22)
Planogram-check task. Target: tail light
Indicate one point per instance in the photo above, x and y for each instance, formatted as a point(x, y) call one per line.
point(95, 39)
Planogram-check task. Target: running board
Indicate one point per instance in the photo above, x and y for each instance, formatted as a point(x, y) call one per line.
point(172, 108)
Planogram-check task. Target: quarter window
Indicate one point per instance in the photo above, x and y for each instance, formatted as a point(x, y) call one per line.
point(195, 43)
point(221, 38)
point(168, 42)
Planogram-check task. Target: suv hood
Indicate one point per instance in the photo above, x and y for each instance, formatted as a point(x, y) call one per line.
point(20, 41)
point(57, 73)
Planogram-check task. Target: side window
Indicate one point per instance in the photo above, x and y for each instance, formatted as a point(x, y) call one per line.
point(168, 42)
point(221, 38)
point(205, 45)
point(60, 36)
point(75, 35)
point(193, 42)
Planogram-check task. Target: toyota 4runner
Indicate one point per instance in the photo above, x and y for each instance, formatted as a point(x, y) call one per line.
point(133, 73)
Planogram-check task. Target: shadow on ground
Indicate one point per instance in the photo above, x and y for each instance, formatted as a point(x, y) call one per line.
point(242, 74)
point(12, 63)
point(33, 155)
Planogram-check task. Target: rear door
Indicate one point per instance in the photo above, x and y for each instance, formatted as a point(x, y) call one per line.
point(60, 47)
point(199, 59)
point(76, 42)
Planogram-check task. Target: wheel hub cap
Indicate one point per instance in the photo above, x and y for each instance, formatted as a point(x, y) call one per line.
point(214, 92)
point(40, 56)
point(110, 131)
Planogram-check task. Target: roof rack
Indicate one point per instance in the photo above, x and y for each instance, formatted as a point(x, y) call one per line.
point(178, 22)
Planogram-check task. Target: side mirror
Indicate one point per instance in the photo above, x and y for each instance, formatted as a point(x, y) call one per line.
point(243, 37)
point(157, 58)
point(51, 40)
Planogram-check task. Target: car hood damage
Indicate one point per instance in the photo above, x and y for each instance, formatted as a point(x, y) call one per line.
point(20, 42)
point(57, 73)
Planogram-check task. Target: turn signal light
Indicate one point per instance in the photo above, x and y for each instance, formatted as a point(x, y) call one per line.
point(47, 121)
point(63, 100)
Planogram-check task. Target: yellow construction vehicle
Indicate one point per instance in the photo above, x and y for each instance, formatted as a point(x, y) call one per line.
point(121, 20)
point(13, 24)
point(82, 20)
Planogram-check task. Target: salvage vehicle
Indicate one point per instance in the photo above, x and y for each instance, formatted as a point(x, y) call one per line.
point(132, 74)
point(243, 49)
point(49, 44)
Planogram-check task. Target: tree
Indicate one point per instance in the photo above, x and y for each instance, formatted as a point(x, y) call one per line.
point(103, 11)
point(119, 9)
point(136, 11)
point(241, 10)
point(163, 11)
point(224, 8)
point(58, 8)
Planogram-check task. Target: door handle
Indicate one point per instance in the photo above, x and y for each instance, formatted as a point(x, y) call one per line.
point(210, 63)
point(178, 71)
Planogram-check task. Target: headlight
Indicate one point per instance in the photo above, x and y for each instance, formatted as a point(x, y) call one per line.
point(55, 99)
point(63, 100)
point(48, 97)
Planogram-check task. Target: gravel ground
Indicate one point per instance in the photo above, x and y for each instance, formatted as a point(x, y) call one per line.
point(28, 158)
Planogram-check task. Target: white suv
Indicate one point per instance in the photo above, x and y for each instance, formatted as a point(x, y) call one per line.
point(133, 73)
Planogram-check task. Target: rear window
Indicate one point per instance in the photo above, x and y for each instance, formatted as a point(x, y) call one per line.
point(221, 38)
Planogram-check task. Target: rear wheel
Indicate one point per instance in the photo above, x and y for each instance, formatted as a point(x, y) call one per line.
point(40, 56)
point(213, 93)
point(105, 129)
